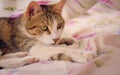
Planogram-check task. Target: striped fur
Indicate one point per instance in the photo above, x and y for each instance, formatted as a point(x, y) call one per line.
point(39, 24)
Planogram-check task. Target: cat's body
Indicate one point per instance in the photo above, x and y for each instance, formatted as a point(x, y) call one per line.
point(35, 30)
point(41, 25)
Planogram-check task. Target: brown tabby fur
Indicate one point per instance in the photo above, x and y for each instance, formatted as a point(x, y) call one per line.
point(13, 40)
point(20, 33)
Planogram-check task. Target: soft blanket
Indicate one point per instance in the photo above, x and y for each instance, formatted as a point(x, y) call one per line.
point(98, 30)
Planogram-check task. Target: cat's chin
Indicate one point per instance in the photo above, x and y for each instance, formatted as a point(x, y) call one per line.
point(48, 42)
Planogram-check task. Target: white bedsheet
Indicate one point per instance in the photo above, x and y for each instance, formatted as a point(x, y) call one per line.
point(100, 24)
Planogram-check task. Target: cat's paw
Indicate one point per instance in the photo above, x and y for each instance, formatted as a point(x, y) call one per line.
point(29, 60)
point(89, 55)
point(17, 62)
point(66, 41)
point(61, 56)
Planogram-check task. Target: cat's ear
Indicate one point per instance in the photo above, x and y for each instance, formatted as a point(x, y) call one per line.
point(32, 9)
point(59, 6)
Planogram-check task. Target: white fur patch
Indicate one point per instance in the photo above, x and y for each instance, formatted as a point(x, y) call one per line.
point(46, 39)
point(54, 33)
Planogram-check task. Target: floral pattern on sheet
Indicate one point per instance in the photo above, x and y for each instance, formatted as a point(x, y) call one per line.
point(84, 42)
point(13, 72)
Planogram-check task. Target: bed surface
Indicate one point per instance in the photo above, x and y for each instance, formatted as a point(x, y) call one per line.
point(98, 29)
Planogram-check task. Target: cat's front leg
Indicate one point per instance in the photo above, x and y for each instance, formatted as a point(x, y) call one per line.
point(61, 53)
point(17, 62)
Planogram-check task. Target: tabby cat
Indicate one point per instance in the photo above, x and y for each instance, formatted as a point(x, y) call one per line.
point(40, 24)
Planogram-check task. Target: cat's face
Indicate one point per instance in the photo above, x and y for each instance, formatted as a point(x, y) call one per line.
point(44, 23)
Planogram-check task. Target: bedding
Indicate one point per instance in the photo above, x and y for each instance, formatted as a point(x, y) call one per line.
point(98, 30)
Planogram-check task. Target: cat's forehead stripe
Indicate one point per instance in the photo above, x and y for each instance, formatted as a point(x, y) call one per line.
point(50, 14)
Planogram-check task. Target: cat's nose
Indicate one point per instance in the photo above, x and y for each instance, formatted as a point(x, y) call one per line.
point(56, 39)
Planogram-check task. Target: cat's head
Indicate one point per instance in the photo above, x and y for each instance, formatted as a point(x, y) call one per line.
point(44, 22)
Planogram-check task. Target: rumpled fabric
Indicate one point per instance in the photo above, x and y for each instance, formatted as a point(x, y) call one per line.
point(98, 29)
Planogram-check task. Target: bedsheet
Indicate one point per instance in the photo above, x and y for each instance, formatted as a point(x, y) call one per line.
point(98, 30)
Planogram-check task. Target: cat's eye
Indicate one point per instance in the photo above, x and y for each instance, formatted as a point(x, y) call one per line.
point(44, 28)
point(59, 26)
